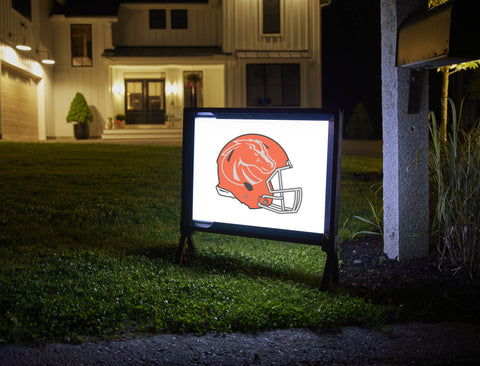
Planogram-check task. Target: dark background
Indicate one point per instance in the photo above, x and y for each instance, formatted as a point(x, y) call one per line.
point(351, 58)
point(351, 51)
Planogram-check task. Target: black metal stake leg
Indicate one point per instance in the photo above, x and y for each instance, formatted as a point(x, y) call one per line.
point(180, 250)
point(185, 241)
point(331, 271)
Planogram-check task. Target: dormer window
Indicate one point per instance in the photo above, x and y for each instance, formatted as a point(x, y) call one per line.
point(81, 40)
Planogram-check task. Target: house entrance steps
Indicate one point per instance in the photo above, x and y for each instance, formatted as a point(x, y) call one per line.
point(143, 132)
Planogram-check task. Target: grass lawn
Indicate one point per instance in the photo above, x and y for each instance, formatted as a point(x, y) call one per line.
point(88, 234)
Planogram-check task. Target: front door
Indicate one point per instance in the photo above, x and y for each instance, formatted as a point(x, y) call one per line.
point(145, 101)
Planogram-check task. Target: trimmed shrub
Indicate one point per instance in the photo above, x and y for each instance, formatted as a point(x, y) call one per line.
point(359, 125)
point(79, 110)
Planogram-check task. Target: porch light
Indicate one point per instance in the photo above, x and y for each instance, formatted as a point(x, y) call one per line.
point(172, 88)
point(118, 89)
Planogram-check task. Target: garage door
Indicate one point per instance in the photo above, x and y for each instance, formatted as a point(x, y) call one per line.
point(19, 119)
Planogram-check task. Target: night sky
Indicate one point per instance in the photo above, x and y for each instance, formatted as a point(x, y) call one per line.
point(351, 58)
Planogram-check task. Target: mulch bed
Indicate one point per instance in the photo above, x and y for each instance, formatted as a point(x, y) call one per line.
point(425, 292)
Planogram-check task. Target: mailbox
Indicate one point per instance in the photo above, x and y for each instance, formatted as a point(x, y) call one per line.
point(446, 35)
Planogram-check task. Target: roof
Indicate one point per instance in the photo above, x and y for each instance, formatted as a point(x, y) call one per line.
point(274, 54)
point(165, 1)
point(159, 51)
point(89, 8)
point(85, 8)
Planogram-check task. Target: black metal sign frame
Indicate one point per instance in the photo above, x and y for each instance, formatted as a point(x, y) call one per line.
point(328, 240)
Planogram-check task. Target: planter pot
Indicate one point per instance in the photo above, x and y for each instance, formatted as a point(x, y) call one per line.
point(81, 131)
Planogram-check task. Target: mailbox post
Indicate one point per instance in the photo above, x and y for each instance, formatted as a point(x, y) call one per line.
point(414, 40)
point(405, 184)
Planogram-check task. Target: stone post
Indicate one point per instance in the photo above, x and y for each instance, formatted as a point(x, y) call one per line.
point(405, 144)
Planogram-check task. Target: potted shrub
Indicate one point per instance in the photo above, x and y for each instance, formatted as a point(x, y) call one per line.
point(80, 115)
point(193, 80)
point(120, 120)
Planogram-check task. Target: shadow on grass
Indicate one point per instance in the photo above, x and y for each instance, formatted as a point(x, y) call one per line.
point(215, 263)
point(225, 263)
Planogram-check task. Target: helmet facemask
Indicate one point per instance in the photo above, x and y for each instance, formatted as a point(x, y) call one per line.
point(280, 200)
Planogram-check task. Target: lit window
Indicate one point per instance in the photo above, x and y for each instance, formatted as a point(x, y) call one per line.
point(81, 45)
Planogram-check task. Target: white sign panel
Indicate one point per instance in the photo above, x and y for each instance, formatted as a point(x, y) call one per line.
point(269, 173)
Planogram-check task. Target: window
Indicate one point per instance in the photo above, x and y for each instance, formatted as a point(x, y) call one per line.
point(134, 95)
point(81, 45)
point(179, 19)
point(271, 17)
point(158, 19)
point(273, 85)
point(24, 7)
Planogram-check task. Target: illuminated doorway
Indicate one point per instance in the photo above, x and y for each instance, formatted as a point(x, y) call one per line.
point(145, 101)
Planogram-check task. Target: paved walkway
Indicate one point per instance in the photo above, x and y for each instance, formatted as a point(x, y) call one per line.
point(401, 344)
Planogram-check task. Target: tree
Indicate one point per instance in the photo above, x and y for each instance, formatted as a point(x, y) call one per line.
point(446, 72)
point(434, 3)
point(359, 125)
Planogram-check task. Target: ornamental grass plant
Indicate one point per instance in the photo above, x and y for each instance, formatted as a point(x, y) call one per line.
point(88, 235)
point(455, 186)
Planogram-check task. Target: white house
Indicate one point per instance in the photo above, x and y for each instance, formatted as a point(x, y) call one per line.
point(148, 60)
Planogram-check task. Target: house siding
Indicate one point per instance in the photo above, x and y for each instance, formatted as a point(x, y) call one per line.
point(37, 34)
point(243, 26)
point(232, 26)
point(133, 28)
point(91, 81)
point(300, 32)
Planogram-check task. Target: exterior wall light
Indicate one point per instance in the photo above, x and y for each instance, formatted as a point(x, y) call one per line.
point(22, 44)
point(118, 89)
point(47, 60)
point(23, 47)
point(172, 89)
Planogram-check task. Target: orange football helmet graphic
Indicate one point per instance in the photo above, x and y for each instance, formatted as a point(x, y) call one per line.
point(250, 169)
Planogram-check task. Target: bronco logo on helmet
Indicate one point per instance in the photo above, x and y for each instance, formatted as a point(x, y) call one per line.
point(250, 170)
